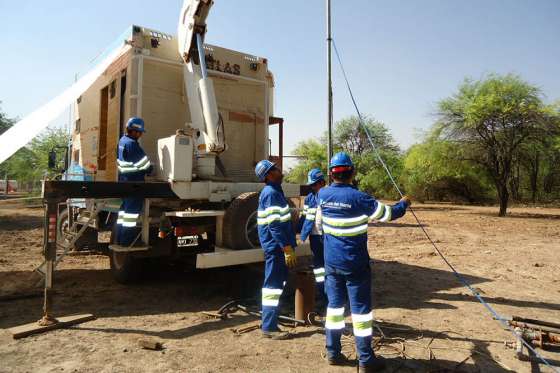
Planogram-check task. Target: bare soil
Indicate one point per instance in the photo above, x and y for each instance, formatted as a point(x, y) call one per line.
point(513, 262)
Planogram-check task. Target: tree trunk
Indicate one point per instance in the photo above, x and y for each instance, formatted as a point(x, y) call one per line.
point(503, 196)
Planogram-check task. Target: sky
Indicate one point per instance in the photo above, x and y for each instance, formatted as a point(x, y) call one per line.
point(402, 56)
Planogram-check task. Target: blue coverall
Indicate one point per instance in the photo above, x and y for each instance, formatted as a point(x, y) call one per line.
point(275, 233)
point(133, 165)
point(345, 212)
point(315, 240)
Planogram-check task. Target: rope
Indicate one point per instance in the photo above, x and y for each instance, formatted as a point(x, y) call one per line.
point(459, 277)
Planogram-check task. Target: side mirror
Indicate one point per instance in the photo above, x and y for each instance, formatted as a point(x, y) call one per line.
point(52, 160)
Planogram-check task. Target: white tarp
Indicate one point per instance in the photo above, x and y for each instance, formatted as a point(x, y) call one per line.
point(26, 129)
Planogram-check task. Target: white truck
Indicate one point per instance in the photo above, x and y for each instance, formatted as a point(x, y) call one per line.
point(207, 111)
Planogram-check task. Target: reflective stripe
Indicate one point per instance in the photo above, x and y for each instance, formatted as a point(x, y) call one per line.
point(312, 210)
point(120, 218)
point(129, 167)
point(387, 216)
point(141, 162)
point(272, 218)
point(335, 318)
point(378, 211)
point(363, 324)
point(345, 222)
point(124, 163)
point(346, 232)
point(271, 297)
point(319, 274)
point(273, 210)
point(129, 224)
point(310, 217)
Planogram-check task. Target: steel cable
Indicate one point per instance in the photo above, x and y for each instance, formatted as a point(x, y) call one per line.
point(459, 277)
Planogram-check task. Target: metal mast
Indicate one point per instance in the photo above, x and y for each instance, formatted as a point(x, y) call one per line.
point(329, 74)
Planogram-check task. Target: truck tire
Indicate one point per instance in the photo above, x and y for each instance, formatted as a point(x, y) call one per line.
point(240, 222)
point(125, 268)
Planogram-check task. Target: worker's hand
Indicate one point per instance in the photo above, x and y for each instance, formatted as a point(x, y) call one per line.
point(406, 199)
point(290, 256)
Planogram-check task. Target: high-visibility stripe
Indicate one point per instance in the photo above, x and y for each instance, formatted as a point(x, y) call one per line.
point(319, 274)
point(124, 163)
point(345, 222)
point(363, 324)
point(378, 211)
point(311, 210)
point(142, 162)
point(271, 297)
point(273, 210)
point(310, 217)
point(130, 216)
point(335, 318)
point(272, 218)
point(120, 218)
point(126, 170)
point(387, 216)
point(345, 232)
point(129, 224)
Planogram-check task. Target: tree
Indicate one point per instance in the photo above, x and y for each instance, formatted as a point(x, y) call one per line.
point(5, 122)
point(434, 169)
point(31, 162)
point(349, 136)
point(312, 154)
point(491, 119)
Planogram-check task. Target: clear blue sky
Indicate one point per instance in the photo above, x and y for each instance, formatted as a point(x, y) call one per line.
point(402, 55)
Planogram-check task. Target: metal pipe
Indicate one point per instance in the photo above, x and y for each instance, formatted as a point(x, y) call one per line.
point(536, 322)
point(535, 327)
point(329, 78)
point(201, 56)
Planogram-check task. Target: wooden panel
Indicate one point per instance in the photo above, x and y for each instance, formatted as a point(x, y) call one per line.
point(26, 330)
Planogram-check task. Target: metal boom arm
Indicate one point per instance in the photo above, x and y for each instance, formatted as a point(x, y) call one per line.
point(200, 88)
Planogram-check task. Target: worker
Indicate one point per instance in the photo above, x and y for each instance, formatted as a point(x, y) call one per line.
point(343, 215)
point(278, 241)
point(133, 165)
point(315, 180)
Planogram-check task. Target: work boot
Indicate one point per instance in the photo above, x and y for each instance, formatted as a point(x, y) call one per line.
point(339, 359)
point(277, 335)
point(377, 365)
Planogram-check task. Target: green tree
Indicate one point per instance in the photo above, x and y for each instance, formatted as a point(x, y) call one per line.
point(31, 162)
point(311, 154)
point(5, 122)
point(434, 169)
point(491, 119)
point(349, 136)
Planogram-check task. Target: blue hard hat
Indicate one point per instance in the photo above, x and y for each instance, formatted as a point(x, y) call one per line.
point(341, 159)
point(262, 168)
point(314, 176)
point(136, 124)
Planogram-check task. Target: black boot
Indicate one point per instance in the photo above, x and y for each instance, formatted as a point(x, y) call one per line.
point(377, 365)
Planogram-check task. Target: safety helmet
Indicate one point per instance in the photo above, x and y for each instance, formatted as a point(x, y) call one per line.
point(341, 160)
point(136, 124)
point(314, 176)
point(263, 168)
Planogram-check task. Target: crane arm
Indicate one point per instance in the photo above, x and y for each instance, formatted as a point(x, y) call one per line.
point(200, 88)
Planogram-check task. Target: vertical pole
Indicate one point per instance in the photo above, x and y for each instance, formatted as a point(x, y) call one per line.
point(7, 184)
point(329, 78)
point(49, 253)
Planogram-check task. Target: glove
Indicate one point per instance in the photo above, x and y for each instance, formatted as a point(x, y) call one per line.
point(290, 256)
point(406, 199)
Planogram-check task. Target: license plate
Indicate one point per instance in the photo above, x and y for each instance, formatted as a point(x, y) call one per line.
point(187, 241)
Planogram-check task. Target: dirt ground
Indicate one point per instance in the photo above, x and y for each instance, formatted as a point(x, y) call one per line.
point(513, 262)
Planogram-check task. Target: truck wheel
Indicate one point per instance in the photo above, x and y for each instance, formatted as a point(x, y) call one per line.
point(125, 268)
point(63, 228)
point(239, 215)
point(240, 222)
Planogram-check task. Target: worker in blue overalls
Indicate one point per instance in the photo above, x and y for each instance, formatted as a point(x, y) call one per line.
point(133, 165)
point(278, 241)
point(344, 213)
point(316, 180)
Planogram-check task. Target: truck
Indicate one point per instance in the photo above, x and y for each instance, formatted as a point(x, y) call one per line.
point(208, 111)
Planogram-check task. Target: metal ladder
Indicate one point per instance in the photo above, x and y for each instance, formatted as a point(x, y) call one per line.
point(66, 246)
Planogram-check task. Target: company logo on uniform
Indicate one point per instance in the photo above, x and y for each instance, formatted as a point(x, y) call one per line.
point(337, 205)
